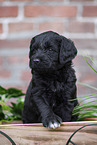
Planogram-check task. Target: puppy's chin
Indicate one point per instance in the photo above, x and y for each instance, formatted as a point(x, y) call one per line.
point(40, 68)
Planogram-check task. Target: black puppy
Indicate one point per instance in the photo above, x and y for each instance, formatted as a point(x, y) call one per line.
point(49, 95)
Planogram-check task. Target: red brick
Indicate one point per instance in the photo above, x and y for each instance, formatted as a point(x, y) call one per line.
point(89, 11)
point(17, 60)
point(80, 27)
point(21, 0)
point(82, 0)
point(13, 60)
point(18, 27)
point(1, 0)
point(5, 73)
point(89, 44)
point(1, 60)
point(84, 72)
point(83, 91)
point(89, 77)
point(26, 76)
point(8, 11)
point(52, 11)
point(1, 30)
point(55, 26)
point(14, 44)
point(51, 0)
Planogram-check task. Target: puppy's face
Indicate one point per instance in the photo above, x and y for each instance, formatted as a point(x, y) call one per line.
point(46, 51)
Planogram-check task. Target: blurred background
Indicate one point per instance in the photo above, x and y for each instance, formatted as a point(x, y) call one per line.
point(20, 20)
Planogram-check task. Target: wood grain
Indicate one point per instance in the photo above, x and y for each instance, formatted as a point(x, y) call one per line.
point(36, 134)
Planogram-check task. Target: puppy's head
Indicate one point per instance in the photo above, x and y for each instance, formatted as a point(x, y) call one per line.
point(49, 51)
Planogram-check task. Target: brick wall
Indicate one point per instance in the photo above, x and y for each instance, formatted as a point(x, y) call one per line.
point(20, 20)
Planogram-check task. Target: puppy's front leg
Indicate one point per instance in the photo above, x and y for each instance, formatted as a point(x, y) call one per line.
point(49, 119)
point(70, 104)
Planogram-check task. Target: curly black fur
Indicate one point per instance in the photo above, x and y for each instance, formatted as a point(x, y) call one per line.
point(49, 95)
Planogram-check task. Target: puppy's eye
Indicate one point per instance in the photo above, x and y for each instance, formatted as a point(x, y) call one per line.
point(50, 49)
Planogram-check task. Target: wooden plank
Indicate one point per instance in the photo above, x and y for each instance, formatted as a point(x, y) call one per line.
point(36, 134)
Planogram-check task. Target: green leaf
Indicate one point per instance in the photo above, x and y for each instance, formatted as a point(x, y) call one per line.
point(20, 99)
point(88, 63)
point(92, 60)
point(13, 104)
point(16, 108)
point(4, 106)
point(13, 112)
point(12, 92)
point(86, 85)
point(86, 105)
point(88, 116)
point(1, 113)
point(85, 111)
point(2, 90)
point(86, 97)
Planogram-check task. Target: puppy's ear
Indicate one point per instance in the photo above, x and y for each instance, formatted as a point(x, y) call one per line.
point(67, 51)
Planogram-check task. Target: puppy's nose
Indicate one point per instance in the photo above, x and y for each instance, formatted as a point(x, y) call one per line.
point(36, 60)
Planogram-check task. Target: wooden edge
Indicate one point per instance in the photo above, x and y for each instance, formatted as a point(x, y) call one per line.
point(79, 123)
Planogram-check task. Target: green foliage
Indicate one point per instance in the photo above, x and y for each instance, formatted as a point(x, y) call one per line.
point(88, 105)
point(17, 107)
point(89, 63)
point(11, 92)
point(13, 111)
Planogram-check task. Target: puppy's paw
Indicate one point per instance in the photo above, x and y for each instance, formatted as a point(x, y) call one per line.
point(53, 125)
point(52, 121)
